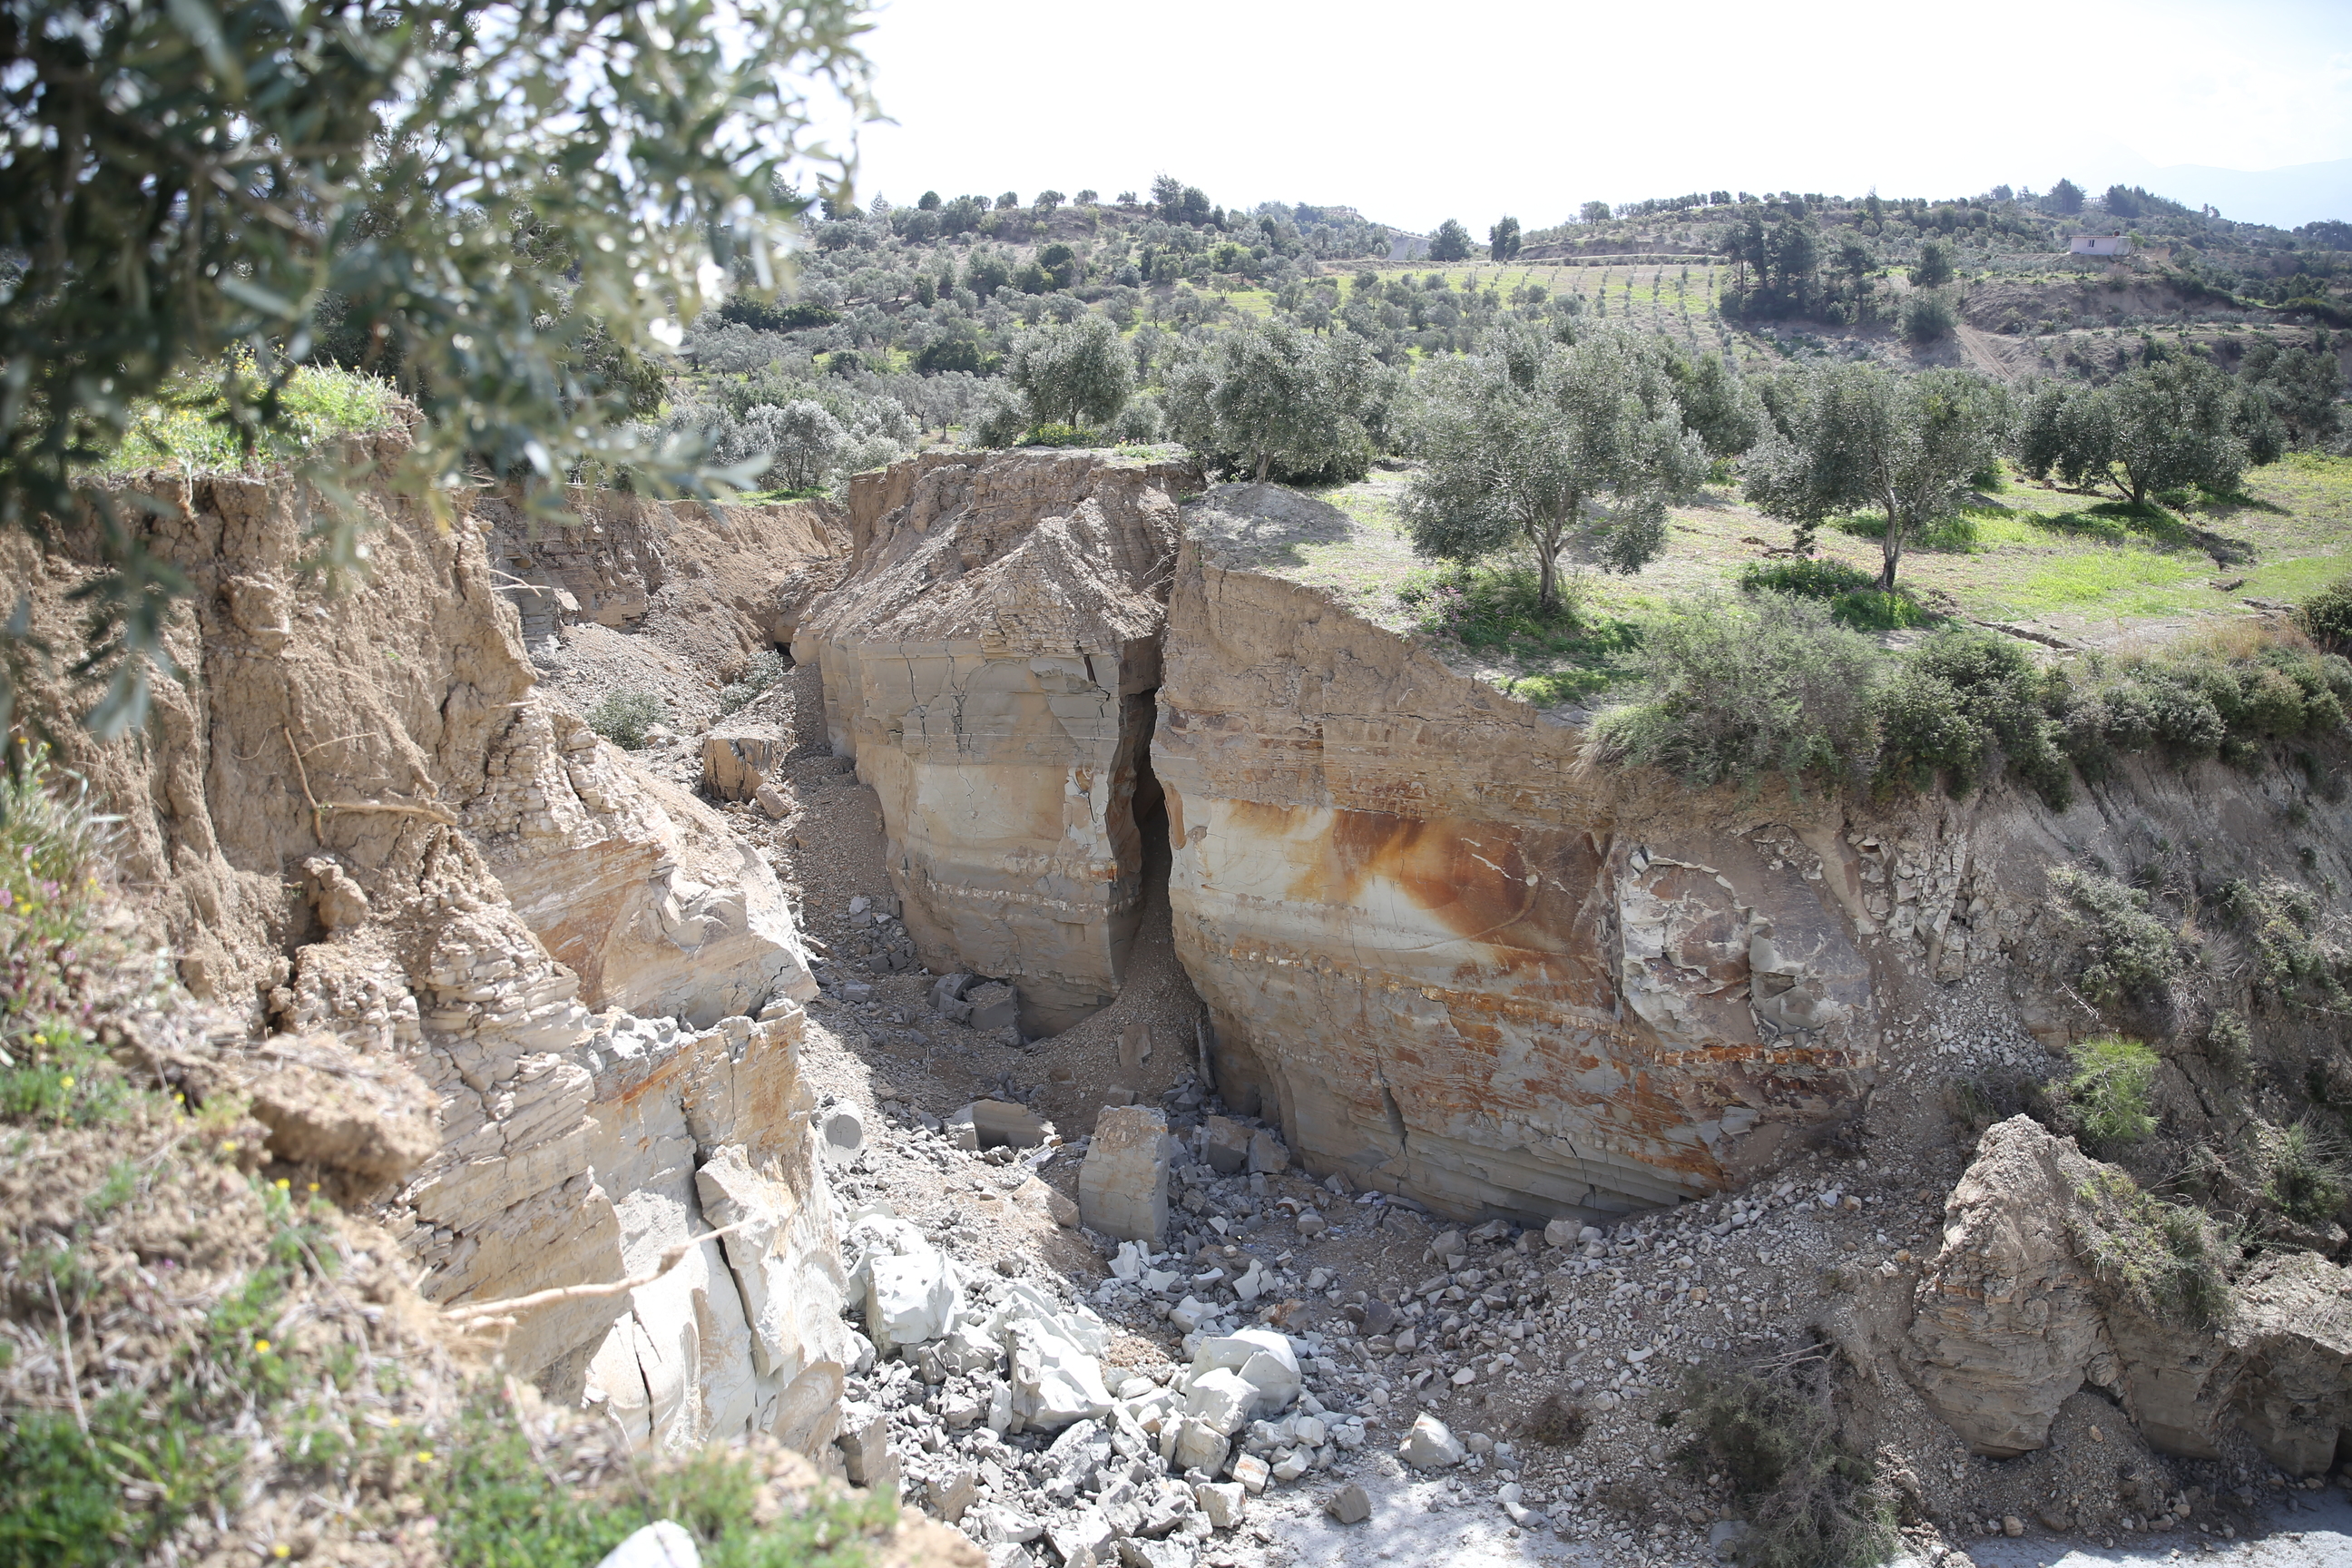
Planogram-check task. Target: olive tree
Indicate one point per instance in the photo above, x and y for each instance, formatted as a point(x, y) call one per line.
point(1541, 442)
point(1266, 394)
point(483, 193)
point(1850, 437)
point(2154, 429)
point(1079, 373)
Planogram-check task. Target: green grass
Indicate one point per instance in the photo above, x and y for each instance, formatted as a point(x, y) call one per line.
point(1852, 595)
point(499, 1506)
point(2114, 582)
point(53, 840)
point(152, 1457)
point(1493, 610)
point(2109, 1089)
point(188, 430)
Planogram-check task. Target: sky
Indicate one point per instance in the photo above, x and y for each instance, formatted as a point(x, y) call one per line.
point(1414, 113)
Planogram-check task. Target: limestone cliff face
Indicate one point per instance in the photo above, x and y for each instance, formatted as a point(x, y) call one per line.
point(990, 661)
point(357, 814)
point(1457, 966)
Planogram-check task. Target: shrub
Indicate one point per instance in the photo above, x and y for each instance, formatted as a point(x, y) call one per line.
point(1002, 417)
point(2297, 960)
point(2165, 1257)
point(2228, 1044)
point(1852, 595)
point(2109, 1090)
point(2129, 954)
point(1929, 318)
point(623, 717)
point(1960, 695)
point(2305, 1172)
point(1057, 435)
point(1741, 690)
point(1810, 1500)
point(1556, 1421)
point(766, 668)
point(2327, 616)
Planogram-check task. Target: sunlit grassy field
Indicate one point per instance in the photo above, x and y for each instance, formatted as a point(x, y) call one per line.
point(2070, 568)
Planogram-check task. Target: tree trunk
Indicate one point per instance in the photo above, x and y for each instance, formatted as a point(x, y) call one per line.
point(1547, 543)
point(1265, 462)
point(1891, 549)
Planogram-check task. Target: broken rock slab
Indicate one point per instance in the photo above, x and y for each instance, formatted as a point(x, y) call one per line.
point(997, 1123)
point(1123, 1185)
point(1226, 1145)
point(326, 1105)
point(1429, 1445)
point(909, 1288)
point(737, 762)
point(1267, 1156)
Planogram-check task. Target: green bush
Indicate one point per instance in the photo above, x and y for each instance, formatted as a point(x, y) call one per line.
point(2166, 1257)
point(2297, 961)
point(1051, 435)
point(2229, 1044)
point(1964, 698)
point(2109, 1090)
point(2129, 956)
point(1811, 1501)
point(2327, 616)
point(766, 668)
point(623, 717)
point(2305, 1172)
point(1741, 690)
point(2198, 703)
point(1852, 595)
point(1929, 318)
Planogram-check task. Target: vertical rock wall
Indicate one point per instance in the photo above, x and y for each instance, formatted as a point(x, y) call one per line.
point(990, 662)
point(1452, 963)
point(357, 814)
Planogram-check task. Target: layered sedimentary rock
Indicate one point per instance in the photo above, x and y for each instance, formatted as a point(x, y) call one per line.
point(990, 661)
point(720, 581)
point(357, 818)
point(701, 1131)
point(1455, 965)
point(2050, 1280)
point(632, 884)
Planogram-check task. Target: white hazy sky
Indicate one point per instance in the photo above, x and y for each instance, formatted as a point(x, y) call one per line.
point(1418, 112)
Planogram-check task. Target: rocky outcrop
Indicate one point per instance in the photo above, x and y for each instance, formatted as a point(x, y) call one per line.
point(2052, 1277)
point(721, 581)
point(371, 837)
point(632, 883)
point(990, 662)
point(1453, 963)
point(703, 1132)
point(2009, 1321)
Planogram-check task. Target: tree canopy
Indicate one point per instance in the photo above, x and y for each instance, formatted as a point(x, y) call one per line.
point(1450, 243)
point(476, 195)
point(1081, 373)
point(1850, 437)
point(2156, 427)
point(1536, 441)
point(1266, 395)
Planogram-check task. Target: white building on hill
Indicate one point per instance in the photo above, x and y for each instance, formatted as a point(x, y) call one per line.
point(2098, 245)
